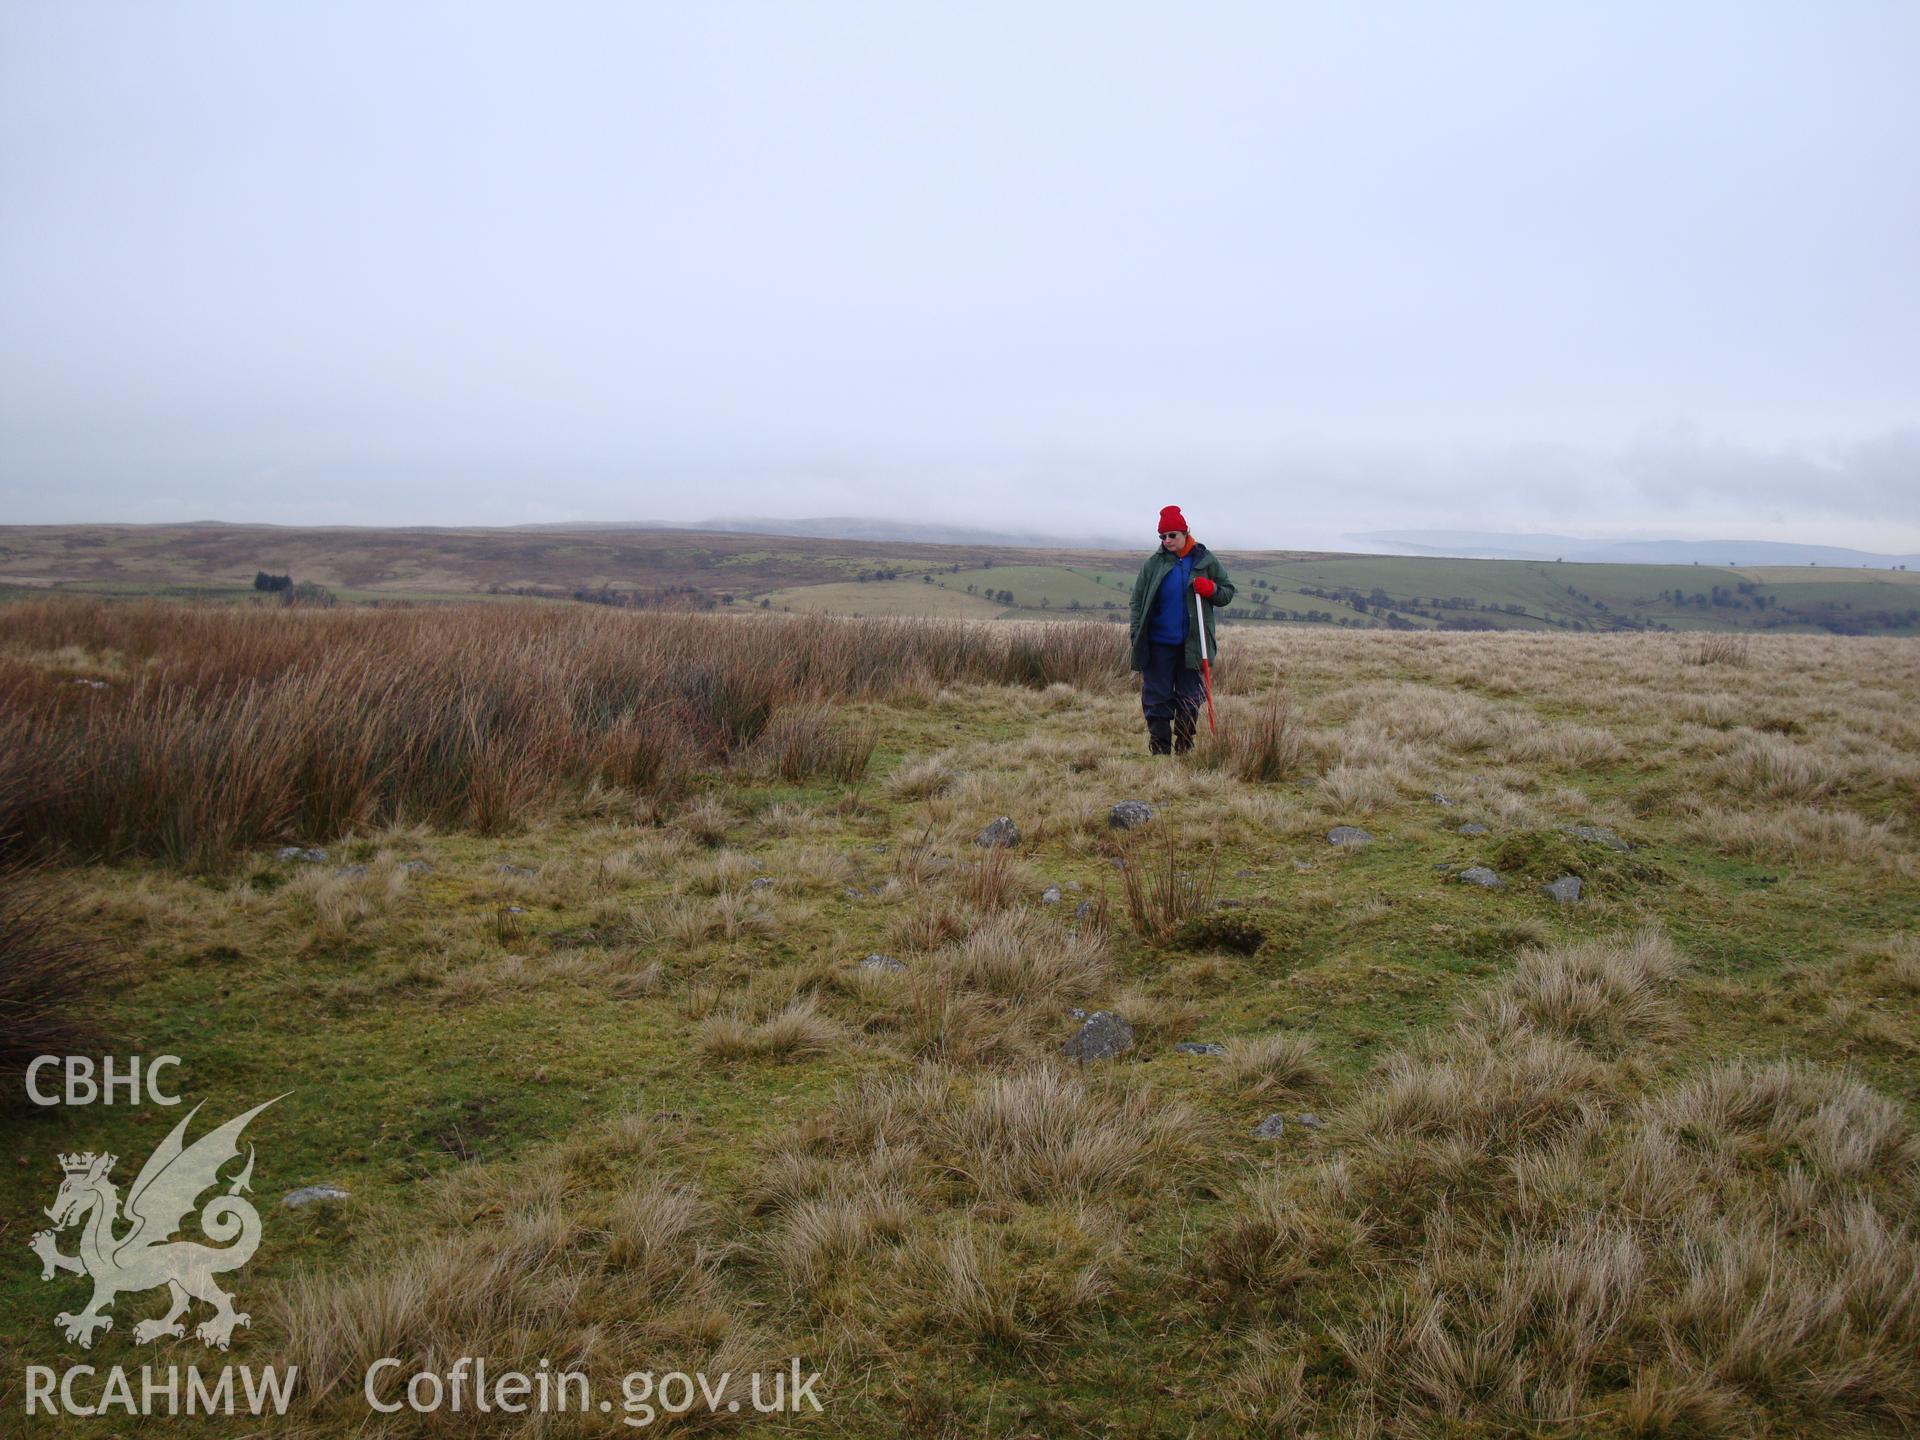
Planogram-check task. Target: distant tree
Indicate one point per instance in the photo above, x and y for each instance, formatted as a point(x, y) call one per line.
point(263, 581)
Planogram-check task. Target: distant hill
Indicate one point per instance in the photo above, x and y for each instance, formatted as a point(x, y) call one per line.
point(1496, 545)
point(680, 569)
point(857, 527)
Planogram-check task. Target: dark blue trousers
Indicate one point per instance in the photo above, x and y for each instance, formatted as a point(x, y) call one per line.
point(1169, 692)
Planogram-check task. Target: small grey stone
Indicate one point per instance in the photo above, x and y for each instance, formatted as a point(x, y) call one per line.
point(1566, 889)
point(760, 882)
point(524, 872)
point(415, 867)
point(1074, 886)
point(1083, 910)
point(1597, 835)
point(1348, 835)
point(881, 848)
point(1000, 834)
point(1303, 864)
point(1443, 867)
point(311, 1194)
point(1439, 799)
point(1243, 874)
point(1050, 895)
point(849, 894)
point(1101, 1036)
point(1129, 813)
point(1271, 1128)
point(1078, 1014)
point(294, 852)
point(881, 962)
point(516, 909)
point(1481, 875)
point(1311, 1121)
point(351, 872)
point(1473, 827)
point(1199, 1047)
point(92, 684)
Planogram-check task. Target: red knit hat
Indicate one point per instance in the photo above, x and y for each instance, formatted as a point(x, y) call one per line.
point(1172, 519)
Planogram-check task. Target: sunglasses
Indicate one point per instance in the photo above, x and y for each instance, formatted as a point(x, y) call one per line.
point(1171, 534)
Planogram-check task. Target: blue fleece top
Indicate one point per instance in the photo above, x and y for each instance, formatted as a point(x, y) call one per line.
point(1171, 614)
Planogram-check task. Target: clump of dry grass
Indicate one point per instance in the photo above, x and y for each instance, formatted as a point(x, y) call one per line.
point(1360, 789)
point(798, 1031)
point(990, 882)
point(804, 742)
point(49, 976)
point(1026, 959)
point(1778, 768)
point(1797, 832)
point(1607, 994)
point(1284, 1062)
point(1719, 649)
point(1165, 889)
point(922, 779)
point(1263, 746)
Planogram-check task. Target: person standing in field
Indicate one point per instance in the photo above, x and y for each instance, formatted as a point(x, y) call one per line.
point(1165, 640)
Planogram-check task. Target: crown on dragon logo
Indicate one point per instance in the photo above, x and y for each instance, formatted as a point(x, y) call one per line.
point(81, 1164)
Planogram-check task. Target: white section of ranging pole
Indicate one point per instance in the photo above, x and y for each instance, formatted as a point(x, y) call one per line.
point(1201, 620)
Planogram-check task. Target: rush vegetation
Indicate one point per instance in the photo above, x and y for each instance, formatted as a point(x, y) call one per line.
point(642, 980)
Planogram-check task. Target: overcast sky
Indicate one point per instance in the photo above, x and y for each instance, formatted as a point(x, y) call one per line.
point(1605, 269)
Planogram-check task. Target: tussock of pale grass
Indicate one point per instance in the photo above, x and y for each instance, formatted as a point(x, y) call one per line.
point(981, 1288)
point(1037, 1135)
point(1607, 994)
point(794, 1033)
point(1026, 959)
point(1761, 1114)
point(1286, 1062)
point(923, 778)
point(1797, 832)
point(1775, 767)
point(704, 821)
point(1360, 789)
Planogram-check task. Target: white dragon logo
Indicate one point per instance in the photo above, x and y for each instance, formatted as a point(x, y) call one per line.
point(141, 1258)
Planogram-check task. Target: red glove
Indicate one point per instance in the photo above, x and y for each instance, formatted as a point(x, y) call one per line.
point(1204, 587)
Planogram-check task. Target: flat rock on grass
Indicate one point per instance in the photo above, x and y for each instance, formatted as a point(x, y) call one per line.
point(294, 852)
point(1271, 1128)
point(1351, 835)
point(999, 835)
point(1102, 1036)
point(1566, 889)
point(1129, 813)
point(1598, 835)
point(1473, 827)
point(1199, 1047)
point(314, 1195)
point(881, 962)
point(1482, 876)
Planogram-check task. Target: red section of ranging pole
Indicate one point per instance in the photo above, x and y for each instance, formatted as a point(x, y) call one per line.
point(1206, 667)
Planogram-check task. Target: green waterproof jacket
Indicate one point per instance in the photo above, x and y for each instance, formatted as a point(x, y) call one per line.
point(1148, 586)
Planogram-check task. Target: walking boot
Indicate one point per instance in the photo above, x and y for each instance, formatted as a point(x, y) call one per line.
point(1159, 737)
point(1183, 724)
